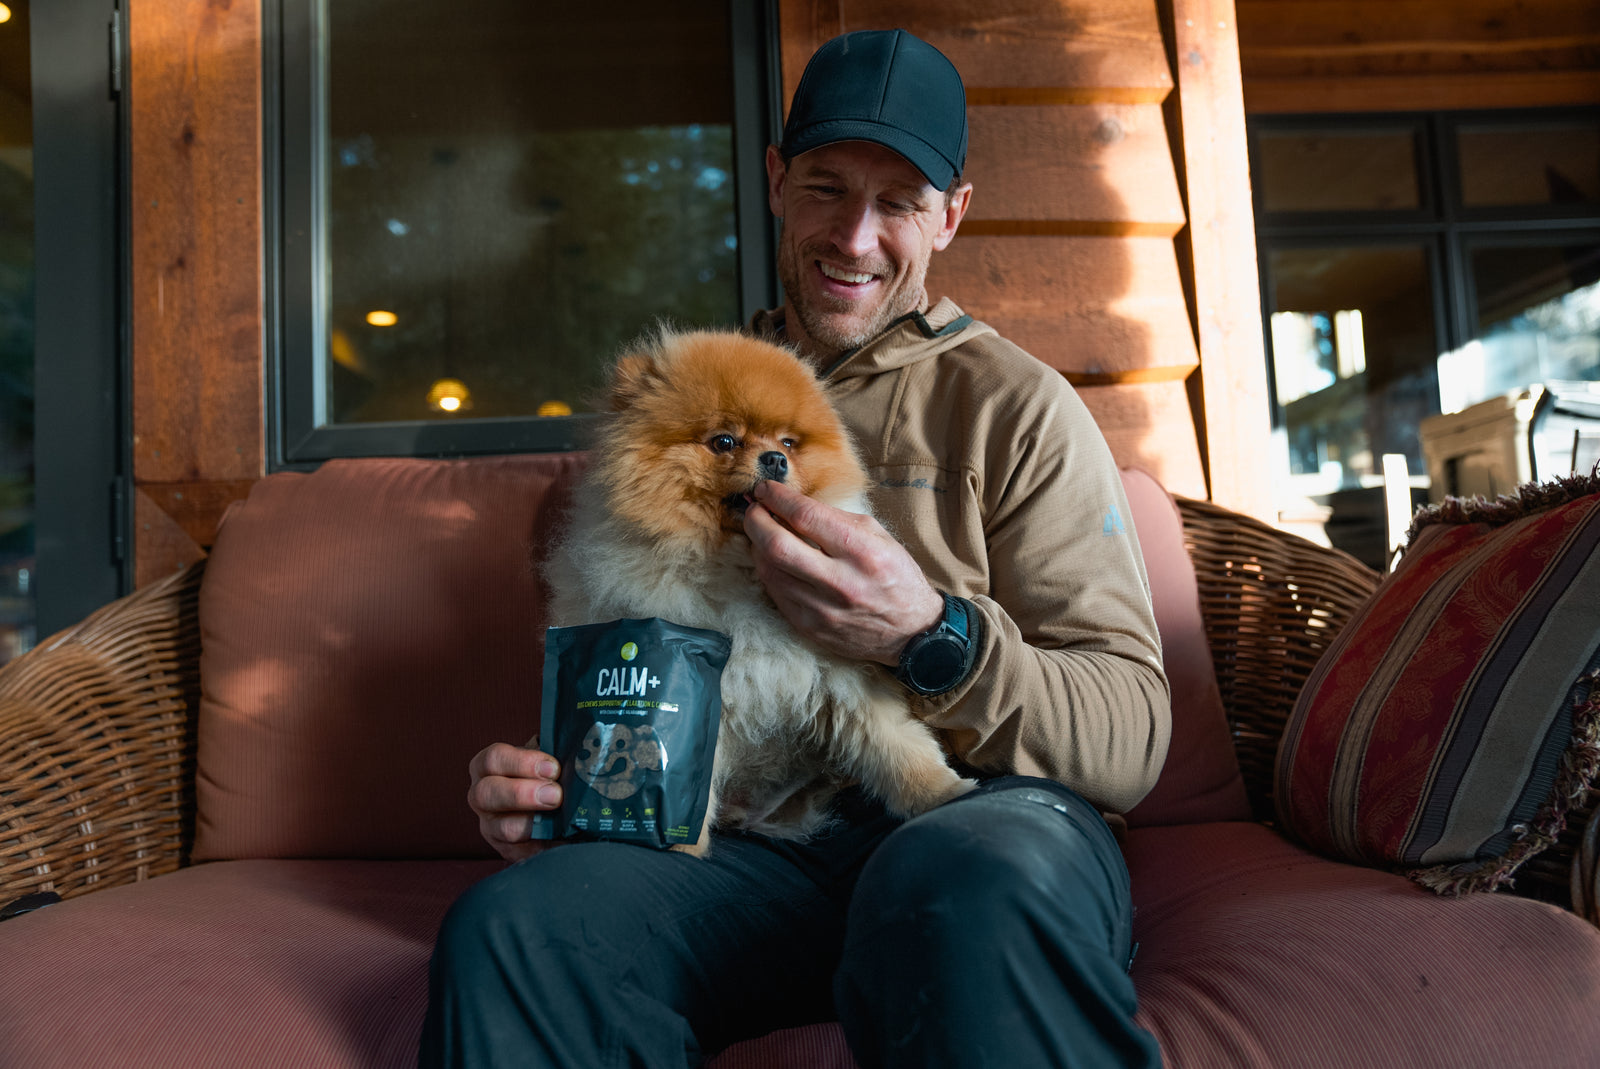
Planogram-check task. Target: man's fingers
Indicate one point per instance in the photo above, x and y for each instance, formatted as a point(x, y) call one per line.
point(828, 528)
point(503, 794)
point(517, 762)
point(510, 779)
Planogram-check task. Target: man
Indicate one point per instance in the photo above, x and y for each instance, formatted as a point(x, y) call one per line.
point(994, 929)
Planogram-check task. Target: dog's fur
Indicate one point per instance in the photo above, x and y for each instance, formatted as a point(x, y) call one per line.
point(657, 530)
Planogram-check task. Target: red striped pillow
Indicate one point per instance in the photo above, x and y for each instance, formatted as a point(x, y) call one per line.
point(1455, 720)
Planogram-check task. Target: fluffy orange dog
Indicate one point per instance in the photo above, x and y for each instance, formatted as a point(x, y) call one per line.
point(698, 419)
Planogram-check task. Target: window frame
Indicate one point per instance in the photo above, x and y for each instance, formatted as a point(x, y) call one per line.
point(1451, 229)
point(294, 43)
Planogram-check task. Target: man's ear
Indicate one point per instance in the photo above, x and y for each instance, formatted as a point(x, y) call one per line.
point(777, 171)
point(953, 213)
point(632, 376)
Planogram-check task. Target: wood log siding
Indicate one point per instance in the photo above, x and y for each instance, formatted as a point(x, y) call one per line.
point(1078, 226)
point(1401, 55)
point(1075, 247)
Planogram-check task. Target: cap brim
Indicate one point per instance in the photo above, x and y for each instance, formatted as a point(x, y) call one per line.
point(938, 170)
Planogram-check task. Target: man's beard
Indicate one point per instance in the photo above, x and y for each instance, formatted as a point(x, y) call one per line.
point(826, 332)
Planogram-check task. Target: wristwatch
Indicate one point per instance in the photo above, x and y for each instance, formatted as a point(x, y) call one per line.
point(938, 659)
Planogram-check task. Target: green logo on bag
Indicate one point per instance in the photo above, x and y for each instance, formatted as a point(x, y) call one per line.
point(629, 651)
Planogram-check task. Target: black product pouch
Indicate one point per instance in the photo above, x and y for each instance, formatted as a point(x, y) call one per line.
point(631, 710)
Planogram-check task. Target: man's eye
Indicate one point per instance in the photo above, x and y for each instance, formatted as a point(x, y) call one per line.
point(723, 443)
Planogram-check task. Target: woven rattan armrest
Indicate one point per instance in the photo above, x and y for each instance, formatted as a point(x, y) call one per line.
point(1271, 602)
point(97, 745)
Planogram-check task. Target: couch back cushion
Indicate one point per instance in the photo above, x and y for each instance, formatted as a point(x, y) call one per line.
point(1201, 781)
point(369, 626)
point(366, 628)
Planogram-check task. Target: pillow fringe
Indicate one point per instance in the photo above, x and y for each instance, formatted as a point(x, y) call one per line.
point(1507, 508)
point(1580, 766)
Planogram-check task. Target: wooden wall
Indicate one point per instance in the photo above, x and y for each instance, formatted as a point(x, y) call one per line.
point(1078, 245)
point(1110, 233)
point(1403, 55)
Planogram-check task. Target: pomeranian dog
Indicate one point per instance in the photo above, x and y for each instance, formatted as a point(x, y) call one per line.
point(697, 419)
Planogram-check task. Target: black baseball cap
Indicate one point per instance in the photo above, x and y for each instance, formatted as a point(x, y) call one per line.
point(885, 86)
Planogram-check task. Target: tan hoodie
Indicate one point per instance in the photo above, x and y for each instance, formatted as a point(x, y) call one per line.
point(993, 474)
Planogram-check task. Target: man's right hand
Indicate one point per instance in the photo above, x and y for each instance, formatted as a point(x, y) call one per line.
point(510, 784)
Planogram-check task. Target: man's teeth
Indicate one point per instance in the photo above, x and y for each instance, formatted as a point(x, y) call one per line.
point(844, 276)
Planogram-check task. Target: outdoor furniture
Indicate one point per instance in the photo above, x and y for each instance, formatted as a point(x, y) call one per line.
point(247, 782)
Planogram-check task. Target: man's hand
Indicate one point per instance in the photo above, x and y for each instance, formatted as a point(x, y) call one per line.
point(839, 577)
point(510, 784)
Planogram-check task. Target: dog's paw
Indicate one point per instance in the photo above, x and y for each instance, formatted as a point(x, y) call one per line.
point(927, 789)
point(701, 847)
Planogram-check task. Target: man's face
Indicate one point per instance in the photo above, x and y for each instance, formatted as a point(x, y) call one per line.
point(860, 224)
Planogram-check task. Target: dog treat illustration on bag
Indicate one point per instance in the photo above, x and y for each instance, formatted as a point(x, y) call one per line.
point(616, 760)
point(631, 710)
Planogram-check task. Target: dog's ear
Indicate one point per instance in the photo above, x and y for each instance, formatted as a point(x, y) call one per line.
point(633, 376)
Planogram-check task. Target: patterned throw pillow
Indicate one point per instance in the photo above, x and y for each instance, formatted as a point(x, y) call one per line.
point(1455, 720)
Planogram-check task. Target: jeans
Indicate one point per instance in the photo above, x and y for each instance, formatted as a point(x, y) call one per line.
point(993, 930)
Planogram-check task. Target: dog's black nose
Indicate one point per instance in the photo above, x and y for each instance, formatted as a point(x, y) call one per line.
point(773, 465)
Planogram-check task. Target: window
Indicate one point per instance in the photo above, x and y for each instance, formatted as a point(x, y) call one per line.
point(1414, 264)
point(478, 206)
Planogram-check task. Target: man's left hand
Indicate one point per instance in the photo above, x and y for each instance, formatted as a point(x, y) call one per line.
point(839, 577)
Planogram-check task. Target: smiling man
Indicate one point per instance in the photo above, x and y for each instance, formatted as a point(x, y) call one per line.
point(995, 929)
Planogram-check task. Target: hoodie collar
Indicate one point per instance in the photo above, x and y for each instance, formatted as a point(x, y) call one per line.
point(913, 337)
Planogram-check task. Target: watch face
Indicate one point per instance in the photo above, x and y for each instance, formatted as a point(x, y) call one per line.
point(936, 662)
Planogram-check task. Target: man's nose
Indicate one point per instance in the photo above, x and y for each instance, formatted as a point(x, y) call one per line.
point(773, 465)
point(855, 231)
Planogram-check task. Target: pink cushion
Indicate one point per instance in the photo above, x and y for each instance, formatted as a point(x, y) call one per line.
point(366, 629)
point(1256, 953)
point(314, 963)
point(1200, 781)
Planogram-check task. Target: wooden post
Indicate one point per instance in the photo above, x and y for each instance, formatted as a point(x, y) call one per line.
point(1207, 115)
point(196, 307)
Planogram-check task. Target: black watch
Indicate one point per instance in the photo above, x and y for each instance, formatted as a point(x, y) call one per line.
point(937, 660)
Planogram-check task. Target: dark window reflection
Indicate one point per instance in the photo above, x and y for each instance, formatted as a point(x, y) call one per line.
point(516, 190)
point(17, 631)
point(1506, 165)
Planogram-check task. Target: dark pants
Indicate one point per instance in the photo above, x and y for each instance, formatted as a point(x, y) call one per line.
point(991, 931)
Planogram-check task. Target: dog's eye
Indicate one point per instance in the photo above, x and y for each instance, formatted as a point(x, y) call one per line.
point(790, 443)
point(723, 443)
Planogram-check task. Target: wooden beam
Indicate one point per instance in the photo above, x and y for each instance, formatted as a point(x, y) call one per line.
point(1491, 89)
point(1039, 96)
point(196, 308)
point(1474, 27)
point(1219, 246)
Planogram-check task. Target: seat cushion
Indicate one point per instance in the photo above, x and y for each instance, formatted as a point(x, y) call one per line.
point(231, 963)
point(367, 628)
point(1254, 952)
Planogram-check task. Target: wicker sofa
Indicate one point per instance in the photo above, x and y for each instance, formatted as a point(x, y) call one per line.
point(246, 782)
